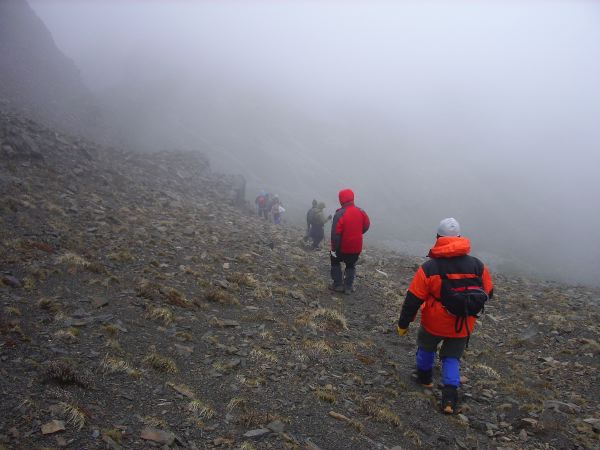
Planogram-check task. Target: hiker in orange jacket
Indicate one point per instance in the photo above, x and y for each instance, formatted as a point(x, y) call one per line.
point(450, 289)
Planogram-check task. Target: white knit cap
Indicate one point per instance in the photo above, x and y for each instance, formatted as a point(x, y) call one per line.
point(449, 227)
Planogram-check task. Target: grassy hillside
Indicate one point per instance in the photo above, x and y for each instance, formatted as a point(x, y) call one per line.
point(141, 308)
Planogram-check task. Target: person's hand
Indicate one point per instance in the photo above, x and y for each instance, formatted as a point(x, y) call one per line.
point(401, 331)
point(333, 253)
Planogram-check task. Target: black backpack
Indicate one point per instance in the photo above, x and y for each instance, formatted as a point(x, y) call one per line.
point(462, 297)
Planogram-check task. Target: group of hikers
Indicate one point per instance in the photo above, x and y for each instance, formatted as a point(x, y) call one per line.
point(269, 207)
point(450, 289)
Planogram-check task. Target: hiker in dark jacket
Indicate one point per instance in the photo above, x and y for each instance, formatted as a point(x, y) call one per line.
point(448, 289)
point(308, 218)
point(317, 225)
point(349, 225)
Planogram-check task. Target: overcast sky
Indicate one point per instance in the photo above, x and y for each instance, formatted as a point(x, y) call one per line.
point(487, 111)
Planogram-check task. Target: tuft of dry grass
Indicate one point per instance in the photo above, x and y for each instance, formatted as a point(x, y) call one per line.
point(155, 422)
point(74, 415)
point(247, 445)
point(317, 348)
point(201, 409)
point(111, 330)
point(491, 373)
point(183, 336)
point(12, 311)
point(262, 356)
point(326, 395)
point(114, 345)
point(96, 267)
point(380, 413)
point(70, 334)
point(48, 304)
point(66, 372)
point(262, 292)
point(115, 434)
point(245, 258)
point(163, 314)
point(147, 289)
point(265, 335)
point(220, 296)
point(413, 436)
point(249, 382)
point(72, 259)
point(329, 319)
point(176, 298)
point(357, 425)
point(121, 256)
point(251, 417)
point(590, 345)
point(110, 364)
point(236, 403)
point(242, 279)
point(160, 363)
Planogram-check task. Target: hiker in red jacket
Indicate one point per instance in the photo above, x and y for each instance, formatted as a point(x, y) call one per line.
point(349, 225)
point(450, 290)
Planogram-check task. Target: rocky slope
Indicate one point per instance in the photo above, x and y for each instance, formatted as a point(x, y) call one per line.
point(140, 308)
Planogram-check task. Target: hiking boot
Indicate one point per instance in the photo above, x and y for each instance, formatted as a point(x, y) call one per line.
point(336, 287)
point(349, 275)
point(337, 277)
point(424, 378)
point(449, 399)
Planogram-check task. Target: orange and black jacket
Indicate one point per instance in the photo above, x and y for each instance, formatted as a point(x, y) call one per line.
point(450, 255)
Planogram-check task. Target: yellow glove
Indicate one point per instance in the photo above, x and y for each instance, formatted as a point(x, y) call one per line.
point(401, 331)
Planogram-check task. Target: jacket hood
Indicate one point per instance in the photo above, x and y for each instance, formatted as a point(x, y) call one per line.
point(450, 246)
point(346, 196)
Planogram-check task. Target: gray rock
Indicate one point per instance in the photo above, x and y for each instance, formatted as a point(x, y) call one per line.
point(160, 436)
point(277, 426)
point(523, 435)
point(529, 422)
point(184, 350)
point(595, 423)
point(257, 434)
point(557, 405)
point(11, 281)
point(552, 419)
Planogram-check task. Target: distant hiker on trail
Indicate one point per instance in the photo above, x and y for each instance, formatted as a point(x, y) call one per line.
point(262, 204)
point(308, 218)
point(277, 210)
point(317, 224)
point(451, 290)
point(349, 225)
point(239, 189)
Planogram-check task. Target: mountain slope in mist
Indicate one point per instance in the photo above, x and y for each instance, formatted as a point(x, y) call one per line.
point(37, 78)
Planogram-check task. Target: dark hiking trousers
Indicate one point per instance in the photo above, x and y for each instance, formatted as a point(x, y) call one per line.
point(451, 347)
point(347, 278)
point(317, 234)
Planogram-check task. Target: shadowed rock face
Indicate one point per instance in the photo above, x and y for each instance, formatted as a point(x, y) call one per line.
point(37, 78)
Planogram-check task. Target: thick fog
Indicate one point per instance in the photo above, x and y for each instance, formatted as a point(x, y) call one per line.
point(487, 112)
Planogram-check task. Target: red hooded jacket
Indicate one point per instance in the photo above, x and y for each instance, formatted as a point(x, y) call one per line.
point(425, 288)
point(348, 226)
